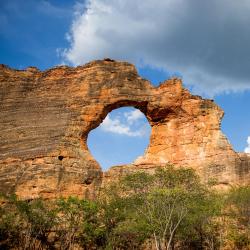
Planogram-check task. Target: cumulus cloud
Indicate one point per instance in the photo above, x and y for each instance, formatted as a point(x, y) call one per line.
point(206, 41)
point(247, 149)
point(133, 116)
point(125, 125)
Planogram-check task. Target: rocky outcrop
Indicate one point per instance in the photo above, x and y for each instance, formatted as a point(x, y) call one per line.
point(46, 116)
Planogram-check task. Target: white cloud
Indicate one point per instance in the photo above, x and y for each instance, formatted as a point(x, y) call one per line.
point(206, 41)
point(133, 116)
point(121, 126)
point(247, 149)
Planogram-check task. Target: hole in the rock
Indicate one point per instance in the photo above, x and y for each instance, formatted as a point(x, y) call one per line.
point(121, 138)
point(60, 157)
point(88, 181)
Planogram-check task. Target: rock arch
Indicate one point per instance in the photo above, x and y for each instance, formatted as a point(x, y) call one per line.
point(137, 132)
point(49, 114)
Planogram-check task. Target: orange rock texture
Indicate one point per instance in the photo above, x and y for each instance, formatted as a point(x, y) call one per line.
point(46, 116)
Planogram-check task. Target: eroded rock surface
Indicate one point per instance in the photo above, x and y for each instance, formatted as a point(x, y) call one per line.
point(46, 116)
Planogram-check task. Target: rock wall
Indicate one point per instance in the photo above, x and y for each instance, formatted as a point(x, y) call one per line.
point(46, 116)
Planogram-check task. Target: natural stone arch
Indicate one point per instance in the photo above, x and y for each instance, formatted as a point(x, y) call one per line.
point(133, 106)
point(63, 104)
point(107, 108)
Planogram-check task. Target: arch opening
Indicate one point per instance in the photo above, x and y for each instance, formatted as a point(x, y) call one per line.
point(121, 138)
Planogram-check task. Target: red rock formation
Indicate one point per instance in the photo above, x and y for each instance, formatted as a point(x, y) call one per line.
point(46, 116)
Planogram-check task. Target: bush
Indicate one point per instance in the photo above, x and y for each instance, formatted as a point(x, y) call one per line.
point(238, 209)
point(170, 209)
point(168, 206)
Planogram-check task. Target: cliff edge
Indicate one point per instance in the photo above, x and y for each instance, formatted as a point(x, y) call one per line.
point(46, 116)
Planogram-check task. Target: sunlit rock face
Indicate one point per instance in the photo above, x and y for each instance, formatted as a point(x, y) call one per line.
point(46, 116)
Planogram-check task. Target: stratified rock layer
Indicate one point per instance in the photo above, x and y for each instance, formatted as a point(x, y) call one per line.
point(46, 116)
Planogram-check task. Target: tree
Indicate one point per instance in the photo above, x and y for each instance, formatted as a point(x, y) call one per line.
point(168, 208)
point(239, 204)
point(25, 223)
point(162, 203)
point(79, 223)
point(238, 209)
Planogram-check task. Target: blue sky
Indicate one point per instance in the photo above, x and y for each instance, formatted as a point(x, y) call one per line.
point(202, 42)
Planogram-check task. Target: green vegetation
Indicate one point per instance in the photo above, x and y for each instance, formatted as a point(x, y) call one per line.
point(170, 209)
point(238, 209)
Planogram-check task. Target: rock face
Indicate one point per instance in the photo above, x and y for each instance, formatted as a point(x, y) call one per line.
point(46, 116)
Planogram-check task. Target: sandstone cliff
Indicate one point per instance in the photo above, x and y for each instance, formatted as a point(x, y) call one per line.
point(46, 116)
